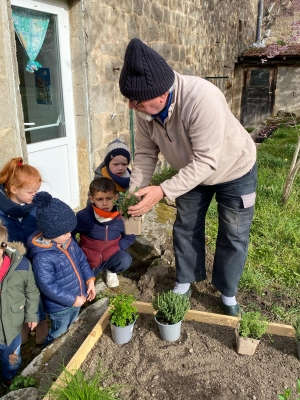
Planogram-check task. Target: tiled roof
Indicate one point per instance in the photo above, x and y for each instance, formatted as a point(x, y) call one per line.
point(290, 50)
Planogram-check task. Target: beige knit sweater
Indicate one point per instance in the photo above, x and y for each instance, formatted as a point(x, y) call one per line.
point(200, 138)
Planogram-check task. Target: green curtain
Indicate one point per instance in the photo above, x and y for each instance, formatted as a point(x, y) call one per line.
point(31, 27)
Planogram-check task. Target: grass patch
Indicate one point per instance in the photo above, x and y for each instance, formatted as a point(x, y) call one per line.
point(80, 386)
point(274, 251)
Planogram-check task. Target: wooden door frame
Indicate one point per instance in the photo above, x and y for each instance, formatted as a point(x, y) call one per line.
point(246, 79)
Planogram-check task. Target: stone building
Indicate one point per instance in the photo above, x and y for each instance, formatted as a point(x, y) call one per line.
point(61, 117)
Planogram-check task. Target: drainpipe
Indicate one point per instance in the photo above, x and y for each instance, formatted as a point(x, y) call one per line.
point(131, 133)
point(258, 42)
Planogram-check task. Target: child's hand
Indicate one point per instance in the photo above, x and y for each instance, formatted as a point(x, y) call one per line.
point(32, 325)
point(80, 300)
point(91, 291)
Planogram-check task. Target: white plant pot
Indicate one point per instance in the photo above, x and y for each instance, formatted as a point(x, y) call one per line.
point(121, 335)
point(169, 333)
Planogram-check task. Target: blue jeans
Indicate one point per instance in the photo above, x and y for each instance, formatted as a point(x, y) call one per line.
point(118, 262)
point(41, 312)
point(10, 359)
point(60, 322)
point(235, 213)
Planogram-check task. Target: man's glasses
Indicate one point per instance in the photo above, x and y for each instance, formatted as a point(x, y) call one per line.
point(135, 103)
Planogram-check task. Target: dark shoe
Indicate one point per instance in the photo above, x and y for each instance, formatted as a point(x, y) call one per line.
point(41, 332)
point(24, 333)
point(233, 311)
point(6, 384)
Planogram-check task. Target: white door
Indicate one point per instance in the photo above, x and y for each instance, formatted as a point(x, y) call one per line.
point(47, 97)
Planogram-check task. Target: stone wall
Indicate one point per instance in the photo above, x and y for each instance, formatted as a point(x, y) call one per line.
point(12, 141)
point(281, 31)
point(198, 37)
point(195, 37)
point(287, 93)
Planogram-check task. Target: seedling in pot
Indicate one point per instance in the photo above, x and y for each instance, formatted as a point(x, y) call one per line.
point(122, 312)
point(252, 325)
point(171, 307)
point(125, 201)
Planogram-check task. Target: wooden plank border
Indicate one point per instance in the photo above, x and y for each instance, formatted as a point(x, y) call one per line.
point(146, 308)
point(219, 319)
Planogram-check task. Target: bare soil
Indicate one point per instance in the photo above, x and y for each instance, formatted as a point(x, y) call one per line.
point(203, 363)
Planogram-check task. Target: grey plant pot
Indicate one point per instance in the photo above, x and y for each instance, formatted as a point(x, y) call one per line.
point(169, 333)
point(298, 346)
point(121, 335)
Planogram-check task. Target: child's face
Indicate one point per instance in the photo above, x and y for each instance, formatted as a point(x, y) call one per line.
point(104, 200)
point(24, 195)
point(118, 165)
point(62, 239)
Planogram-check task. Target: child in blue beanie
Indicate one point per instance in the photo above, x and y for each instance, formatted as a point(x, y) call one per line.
point(115, 165)
point(60, 267)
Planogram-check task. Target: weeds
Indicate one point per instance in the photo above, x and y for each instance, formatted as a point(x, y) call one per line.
point(84, 387)
point(287, 393)
point(166, 173)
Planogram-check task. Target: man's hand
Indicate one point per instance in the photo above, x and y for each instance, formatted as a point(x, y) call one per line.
point(151, 196)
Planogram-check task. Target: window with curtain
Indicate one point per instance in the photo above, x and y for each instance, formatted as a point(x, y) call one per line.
point(31, 27)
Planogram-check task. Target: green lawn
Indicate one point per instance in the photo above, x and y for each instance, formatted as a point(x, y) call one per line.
point(273, 262)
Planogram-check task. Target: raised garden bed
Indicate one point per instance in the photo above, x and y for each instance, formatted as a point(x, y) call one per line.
point(203, 363)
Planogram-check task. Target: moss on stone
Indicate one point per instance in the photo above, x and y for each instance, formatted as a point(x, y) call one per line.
point(165, 213)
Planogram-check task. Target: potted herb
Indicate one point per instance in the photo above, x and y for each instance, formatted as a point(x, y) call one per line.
point(171, 309)
point(296, 326)
point(133, 225)
point(122, 317)
point(249, 330)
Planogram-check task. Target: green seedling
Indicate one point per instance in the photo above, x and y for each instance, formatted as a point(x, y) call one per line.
point(125, 201)
point(122, 312)
point(21, 382)
point(171, 307)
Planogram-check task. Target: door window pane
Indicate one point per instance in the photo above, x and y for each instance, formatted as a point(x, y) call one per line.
point(41, 91)
point(259, 77)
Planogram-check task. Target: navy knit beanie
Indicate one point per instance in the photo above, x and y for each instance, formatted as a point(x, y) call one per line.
point(116, 148)
point(145, 74)
point(54, 217)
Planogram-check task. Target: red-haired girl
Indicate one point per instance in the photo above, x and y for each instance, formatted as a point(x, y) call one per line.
point(19, 183)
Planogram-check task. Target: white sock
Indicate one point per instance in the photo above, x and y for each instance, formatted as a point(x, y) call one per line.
point(181, 288)
point(229, 301)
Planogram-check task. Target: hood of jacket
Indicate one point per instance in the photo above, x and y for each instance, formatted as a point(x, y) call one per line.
point(34, 246)
point(12, 247)
point(11, 208)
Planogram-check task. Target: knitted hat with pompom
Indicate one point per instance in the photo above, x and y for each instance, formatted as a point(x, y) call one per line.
point(54, 217)
point(116, 148)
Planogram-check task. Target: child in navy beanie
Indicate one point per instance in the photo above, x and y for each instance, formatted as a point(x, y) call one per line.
point(60, 267)
point(115, 165)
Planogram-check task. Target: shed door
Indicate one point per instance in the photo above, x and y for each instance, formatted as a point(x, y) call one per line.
point(42, 28)
point(258, 95)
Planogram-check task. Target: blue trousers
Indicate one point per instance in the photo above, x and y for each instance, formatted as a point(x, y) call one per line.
point(235, 213)
point(10, 359)
point(118, 262)
point(60, 322)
